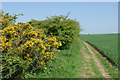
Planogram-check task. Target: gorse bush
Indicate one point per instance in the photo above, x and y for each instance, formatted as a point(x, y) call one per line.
point(64, 29)
point(29, 44)
point(24, 45)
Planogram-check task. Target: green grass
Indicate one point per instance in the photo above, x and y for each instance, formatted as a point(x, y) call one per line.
point(107, 43)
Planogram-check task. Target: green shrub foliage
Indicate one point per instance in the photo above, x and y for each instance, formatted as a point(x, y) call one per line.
point(64, 29)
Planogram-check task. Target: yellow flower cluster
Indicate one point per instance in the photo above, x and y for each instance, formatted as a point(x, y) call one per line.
point(28, 44)
point(8, 34)
point(6, 45)
point(52, 41)
point(9, 31)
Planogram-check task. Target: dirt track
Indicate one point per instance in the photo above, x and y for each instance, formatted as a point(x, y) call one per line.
point(88, 56)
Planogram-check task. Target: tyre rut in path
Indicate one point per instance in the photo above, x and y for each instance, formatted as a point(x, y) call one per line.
point(97, 62)
point(86, 65)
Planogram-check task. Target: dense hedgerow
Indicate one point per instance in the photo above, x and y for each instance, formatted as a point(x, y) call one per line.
point(24, 45)
point(64, 29)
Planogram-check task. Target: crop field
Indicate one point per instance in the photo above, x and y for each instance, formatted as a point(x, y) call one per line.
point(107, 43)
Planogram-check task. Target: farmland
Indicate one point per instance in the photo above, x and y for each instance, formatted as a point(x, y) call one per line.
point(107, 43)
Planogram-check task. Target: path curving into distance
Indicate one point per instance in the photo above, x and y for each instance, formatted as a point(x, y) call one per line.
point(93, 66)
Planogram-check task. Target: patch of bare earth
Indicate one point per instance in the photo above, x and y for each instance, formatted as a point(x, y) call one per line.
point(97, 62)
